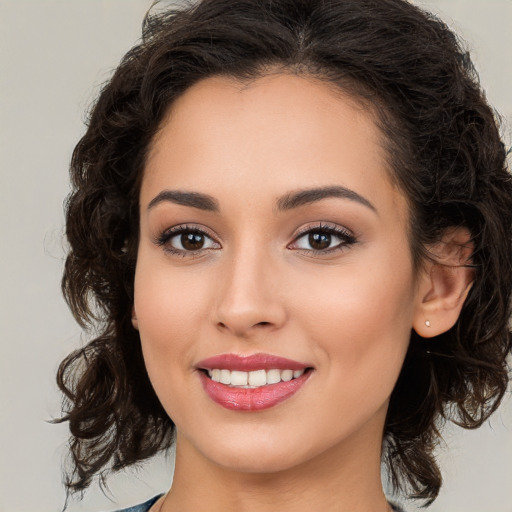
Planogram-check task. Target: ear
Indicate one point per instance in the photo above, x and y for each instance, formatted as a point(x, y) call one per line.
point(135, 322)
point(444, 283)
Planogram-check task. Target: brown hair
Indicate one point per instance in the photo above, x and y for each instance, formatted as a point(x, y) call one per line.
point(445, 154)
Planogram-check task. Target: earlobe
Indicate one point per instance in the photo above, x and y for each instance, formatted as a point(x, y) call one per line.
point(444, 284)
point(135, 322)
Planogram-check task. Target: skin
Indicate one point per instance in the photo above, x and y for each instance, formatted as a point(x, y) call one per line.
point(256, 286)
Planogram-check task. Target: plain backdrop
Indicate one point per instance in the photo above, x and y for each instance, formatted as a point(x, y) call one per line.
point(53, 57)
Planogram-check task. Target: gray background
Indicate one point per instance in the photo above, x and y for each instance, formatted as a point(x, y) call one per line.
point(53, 57)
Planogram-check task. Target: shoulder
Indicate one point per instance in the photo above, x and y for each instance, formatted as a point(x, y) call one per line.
point(143, 507)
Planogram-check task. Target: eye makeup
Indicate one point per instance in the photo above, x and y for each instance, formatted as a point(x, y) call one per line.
point(321, 237)
point(186, 240)
point(318, 239)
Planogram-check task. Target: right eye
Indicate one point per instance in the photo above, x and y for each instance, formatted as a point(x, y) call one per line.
point(186, 241)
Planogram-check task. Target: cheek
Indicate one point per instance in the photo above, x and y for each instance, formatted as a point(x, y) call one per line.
point(166, 300)
point(170, 309)
point(362, 321)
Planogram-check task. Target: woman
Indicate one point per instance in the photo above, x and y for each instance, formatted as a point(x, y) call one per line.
point(291, 225)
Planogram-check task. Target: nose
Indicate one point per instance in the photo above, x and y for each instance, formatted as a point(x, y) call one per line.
point(250, 298)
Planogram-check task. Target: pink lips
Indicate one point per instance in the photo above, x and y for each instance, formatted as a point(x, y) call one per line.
point(250, 399)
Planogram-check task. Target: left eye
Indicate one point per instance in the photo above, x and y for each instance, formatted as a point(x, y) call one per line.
point(323, 239)
point(191, 241)
point(186, 240)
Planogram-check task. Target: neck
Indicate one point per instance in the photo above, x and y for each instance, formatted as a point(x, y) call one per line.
point(342, 479)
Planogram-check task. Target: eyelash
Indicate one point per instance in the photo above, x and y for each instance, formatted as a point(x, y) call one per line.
point(165, 237)
point(346, 237)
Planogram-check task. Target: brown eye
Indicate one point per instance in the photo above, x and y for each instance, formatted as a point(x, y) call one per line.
point(324, 239)
point(192, 241)
point(185, 240)
point(319, 241)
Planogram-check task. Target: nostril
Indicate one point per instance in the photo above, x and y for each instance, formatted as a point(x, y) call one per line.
point(226, 327)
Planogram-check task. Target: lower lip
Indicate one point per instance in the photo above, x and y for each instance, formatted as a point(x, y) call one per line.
point(252, 399)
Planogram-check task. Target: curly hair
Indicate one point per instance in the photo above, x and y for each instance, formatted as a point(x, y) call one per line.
point(445, 154)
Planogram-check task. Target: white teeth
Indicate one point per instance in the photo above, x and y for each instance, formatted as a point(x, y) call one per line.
point(286, 375)
point(257, 378)
point(253, 379)
point(273, 376)
point(239, 378)
point(225, 377)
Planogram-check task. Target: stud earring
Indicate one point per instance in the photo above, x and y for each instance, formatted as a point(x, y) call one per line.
point(427, 323)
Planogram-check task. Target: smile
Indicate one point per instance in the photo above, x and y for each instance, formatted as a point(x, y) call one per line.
point(254, 379)
point(251, 383)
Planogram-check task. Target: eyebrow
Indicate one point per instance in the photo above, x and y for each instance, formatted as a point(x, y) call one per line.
point(193, 199)
point(308, 196)
point(287, 202)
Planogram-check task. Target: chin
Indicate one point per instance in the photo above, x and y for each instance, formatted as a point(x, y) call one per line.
point(250, 453)
point(260, 461)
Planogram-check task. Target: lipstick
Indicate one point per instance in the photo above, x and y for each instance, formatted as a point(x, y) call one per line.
point(251, 383)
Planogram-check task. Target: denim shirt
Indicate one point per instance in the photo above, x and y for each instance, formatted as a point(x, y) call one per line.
point(144, 507)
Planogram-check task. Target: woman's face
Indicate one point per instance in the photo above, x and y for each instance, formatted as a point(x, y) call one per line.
point(272, 240)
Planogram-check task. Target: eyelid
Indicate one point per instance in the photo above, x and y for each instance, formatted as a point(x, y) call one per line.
point(163, 237)
point(348, 238)
point(322, 225)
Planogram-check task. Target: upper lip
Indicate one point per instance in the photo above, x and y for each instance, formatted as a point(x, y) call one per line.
point(247, 363)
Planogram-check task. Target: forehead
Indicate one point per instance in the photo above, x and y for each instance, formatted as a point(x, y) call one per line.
point(212, 104)
point(274, 133)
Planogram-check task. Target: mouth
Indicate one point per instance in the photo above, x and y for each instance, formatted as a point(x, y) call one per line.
point(251, 383)
point(254, 379)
